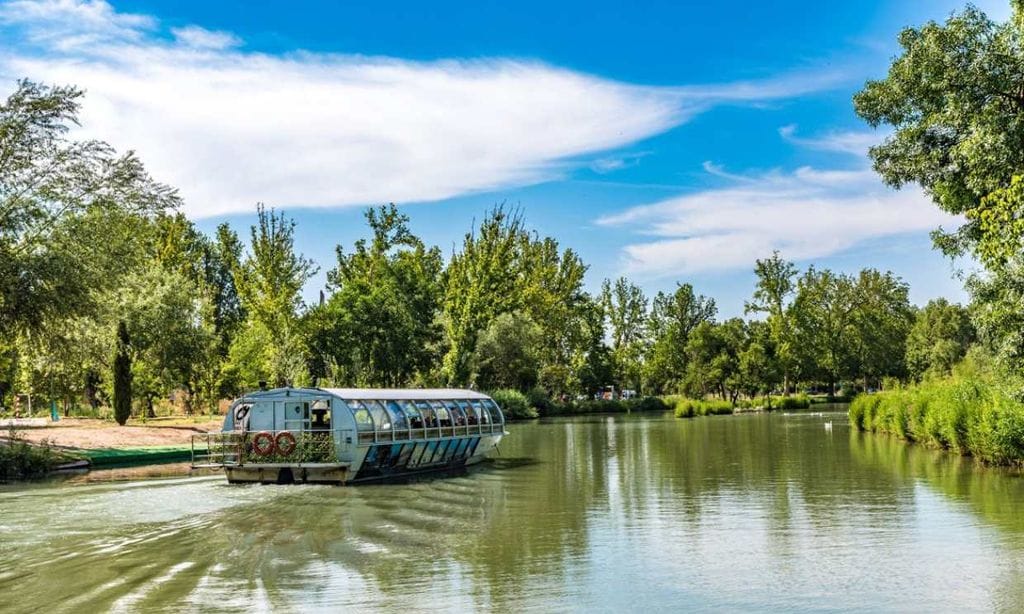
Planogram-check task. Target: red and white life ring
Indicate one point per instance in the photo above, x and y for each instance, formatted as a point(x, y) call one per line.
point(285, 443)
point(263, 443)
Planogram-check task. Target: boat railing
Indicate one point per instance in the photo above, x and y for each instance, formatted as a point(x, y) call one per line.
point(234, 448)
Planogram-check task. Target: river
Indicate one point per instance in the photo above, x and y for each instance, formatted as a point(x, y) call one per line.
point(608, 513)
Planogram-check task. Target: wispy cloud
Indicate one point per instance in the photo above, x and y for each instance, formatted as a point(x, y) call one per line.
point(230, 127)
point(806, 213)
point(850, 142)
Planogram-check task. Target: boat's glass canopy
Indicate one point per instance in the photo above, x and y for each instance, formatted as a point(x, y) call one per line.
point(398, 409)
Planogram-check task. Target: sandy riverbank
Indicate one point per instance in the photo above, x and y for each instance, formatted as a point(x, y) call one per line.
point(87, 433)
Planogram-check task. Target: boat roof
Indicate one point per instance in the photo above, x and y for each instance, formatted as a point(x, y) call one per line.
point(406, 394)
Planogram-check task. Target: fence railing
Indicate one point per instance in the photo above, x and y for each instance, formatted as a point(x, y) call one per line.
point(234, 448)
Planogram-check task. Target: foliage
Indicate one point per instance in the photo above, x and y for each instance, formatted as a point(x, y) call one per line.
point(514, 404)
point(954, 98)
point(672, 319)
point(503, 268)
point(60, 201)
point(269, 281)
point(940, 336)
point(689, 408)
point(625, 307)
point(379, 326)
point(971, 415)
point(507, 353)
point(122, 376)
point(20, 460)
point(776, 285)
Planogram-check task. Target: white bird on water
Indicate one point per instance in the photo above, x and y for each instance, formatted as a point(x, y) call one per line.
point(828, 425)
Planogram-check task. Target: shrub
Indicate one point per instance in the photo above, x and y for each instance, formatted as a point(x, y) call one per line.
point(538, 398)
point(20, 460)
point(688, 408)
point(970, 416)
point(799, 401)
point(514, 404)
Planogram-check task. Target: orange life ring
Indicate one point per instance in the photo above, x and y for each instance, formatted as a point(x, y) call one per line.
point(263, 443)
point(285, 443)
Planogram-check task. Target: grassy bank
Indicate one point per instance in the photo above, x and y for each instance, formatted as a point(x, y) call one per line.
point(971, 416)
point(21, 460)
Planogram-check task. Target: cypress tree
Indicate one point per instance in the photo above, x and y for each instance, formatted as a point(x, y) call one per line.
point(122, 376)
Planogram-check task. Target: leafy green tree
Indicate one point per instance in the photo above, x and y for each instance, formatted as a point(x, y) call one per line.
point(507, 353)
point(822, 314)
point(592, 363)
point(380, 324)
point(61, 204)
point(672, 319)
point(997, 311)
point(625, 306)
point(503, 268)
point(940, 336)
point(776, 285)
point(269, 280)
point(955, 99)
point(122, 376)
point(758, 369)
point(881, 319)
point(713, 353)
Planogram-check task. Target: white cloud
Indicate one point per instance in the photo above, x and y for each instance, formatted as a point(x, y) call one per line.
point(230, 127)
point(854, 143)
point(808, 213)
point(201, 38)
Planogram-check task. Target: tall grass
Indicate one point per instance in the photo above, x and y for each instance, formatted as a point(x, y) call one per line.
point(689, 408)
point(971, 416)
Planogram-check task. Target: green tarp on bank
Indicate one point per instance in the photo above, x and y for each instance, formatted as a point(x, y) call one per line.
point(144, 455)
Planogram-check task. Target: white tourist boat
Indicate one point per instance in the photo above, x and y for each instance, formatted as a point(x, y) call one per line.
point(344, 435)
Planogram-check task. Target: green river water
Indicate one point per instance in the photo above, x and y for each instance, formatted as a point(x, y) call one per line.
point(597, 513)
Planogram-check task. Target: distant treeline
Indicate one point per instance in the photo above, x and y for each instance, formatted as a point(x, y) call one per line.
point(108, 293)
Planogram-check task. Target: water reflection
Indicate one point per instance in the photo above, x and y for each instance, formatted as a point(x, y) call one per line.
point(607, 513)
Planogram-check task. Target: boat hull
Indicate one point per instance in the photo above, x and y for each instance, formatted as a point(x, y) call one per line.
point(375, 462)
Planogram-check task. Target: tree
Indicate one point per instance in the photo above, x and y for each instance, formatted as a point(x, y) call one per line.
point(269, 282)
point(507, 353)
point(122, 376)
point(672, 319)
point(503, 268)
point(881, 319)
point(63, 207)
point(939, 337)
point(822, 314)
point(776, 284)
point(380, 324)
point(956, 100)
point(625, 306)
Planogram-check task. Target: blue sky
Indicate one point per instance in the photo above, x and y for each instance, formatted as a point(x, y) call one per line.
point(667, 141)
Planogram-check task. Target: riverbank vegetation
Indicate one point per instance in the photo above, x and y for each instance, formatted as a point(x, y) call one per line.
point(21, 460)
point(972, 413)
point(958, 131)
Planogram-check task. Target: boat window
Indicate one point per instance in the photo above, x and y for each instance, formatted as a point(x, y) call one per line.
point(492, 407)
point(321, 410)
point(364, 421)
point(429, 417)
point(415, 418)
point(485, 418)
point(458, 418)
point(472, 416)
point(380, 415)
point(397, 415)
point(442, 414)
